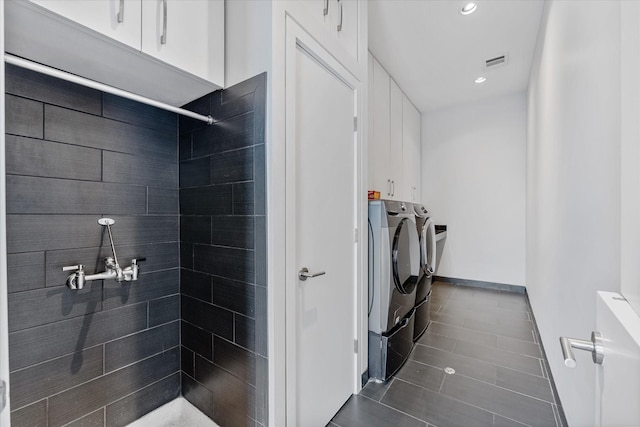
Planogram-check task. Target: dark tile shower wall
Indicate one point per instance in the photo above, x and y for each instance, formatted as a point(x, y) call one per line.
point(223, 253)
point(109, 353)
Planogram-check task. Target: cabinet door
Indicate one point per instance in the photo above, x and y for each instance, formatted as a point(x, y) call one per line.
point(193, 33)
point(398, 190)
point(119, 20)
point(344, 23)
point(379, 164)
point(411, 144)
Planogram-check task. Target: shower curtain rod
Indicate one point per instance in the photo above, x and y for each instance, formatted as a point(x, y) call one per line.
point(30, 65)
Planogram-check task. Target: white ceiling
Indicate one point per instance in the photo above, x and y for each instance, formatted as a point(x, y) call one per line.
point(434, 53)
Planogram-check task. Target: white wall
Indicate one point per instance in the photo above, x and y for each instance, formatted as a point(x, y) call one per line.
point(573, 183)
point(473, 180)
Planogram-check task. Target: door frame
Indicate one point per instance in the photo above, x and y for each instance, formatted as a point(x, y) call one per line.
point(282, 396)
point(5, 419)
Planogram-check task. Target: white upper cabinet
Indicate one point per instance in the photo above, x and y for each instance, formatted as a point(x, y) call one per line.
point(394, 139)
point(119, 20)
point(188, 34)
point(340, 19)
point(411, 149)
point(169, 50)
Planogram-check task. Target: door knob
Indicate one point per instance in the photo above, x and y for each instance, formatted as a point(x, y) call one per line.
point(304, 274)
point(595, 346)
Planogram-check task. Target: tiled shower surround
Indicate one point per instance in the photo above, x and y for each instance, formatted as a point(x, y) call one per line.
point(110, 353)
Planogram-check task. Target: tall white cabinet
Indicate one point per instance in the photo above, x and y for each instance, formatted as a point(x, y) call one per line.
point(394, 138)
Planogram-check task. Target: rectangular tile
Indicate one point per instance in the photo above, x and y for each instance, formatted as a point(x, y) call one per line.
point(503, 402)
point(195, 172)
point(132, 348)
point(23, 117)
point(62, 125)
point(375, 390)
point(211, 200)
point(235, 296)
point(71, 404)
point(94, 419)
point(34, 195)
point(163, 201)
point(163, 310)
point(40, 381)
point(25, 271)
point(208, 317)
point(261, 250)
point(202, 106)
point(260, 180)
point(421, 375)
point(128, 168)
point(235, 264)
point(42, 343)
point(233, 399)
point(30, 416)
point(40, 87)
point(30, 233)
point(195, 229)
point(186, 255)
point(159, 256)
point(187, 362)
point(149, 286)
point(35, 157)
point(360, 411)
point(197, 340)
point(232, 166)
point(437, 341)
point(184, 146)
point(226, 135)
point(434, 408)
point(463, 365)
point(261, 321)
point(530, 385)
point(527, 348)
point(41, 306)
point(234, 359)
point(134, 406)
point(128, 111)
point(231, 103)
point(500, 357)
point(245, 332)
point(198, 395)
point(234, 231)
point(195, 284)
point(462, 334)
point(243, 199)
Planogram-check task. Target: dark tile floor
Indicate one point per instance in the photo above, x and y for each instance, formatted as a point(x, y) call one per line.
point(489, 339)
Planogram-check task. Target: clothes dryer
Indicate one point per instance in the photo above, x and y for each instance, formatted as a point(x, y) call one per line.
point(394, 269)
point(427, 239)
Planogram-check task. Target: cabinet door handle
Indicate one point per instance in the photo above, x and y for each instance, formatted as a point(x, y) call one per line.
point(325, 12)
point(163, 37)
point(388, 187)
point(120, 15)
point(341, 13)
point(393, 188)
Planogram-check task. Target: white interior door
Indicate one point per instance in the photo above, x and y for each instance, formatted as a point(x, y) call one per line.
point(618, 315)
point(321, 217)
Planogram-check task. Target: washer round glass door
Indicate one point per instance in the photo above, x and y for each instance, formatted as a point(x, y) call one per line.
point(405, 274)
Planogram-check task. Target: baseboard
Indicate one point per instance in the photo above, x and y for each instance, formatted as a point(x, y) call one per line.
point(365, 377)
point(518, 289)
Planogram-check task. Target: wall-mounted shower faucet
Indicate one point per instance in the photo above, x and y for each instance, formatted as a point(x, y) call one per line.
point(78, 278)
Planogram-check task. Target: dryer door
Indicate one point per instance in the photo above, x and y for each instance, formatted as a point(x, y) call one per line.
point(405, 270)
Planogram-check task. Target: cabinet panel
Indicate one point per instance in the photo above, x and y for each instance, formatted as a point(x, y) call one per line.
point(412, 151)
point(193, 33)
point(344, 21)
point(398, 190)
point(379, 148)
point(102, 16)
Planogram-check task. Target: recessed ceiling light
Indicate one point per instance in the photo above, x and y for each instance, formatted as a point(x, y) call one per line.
point(468, 9)
point(481, 79)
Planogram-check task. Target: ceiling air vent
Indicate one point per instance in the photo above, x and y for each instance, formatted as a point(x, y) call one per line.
point(496, 62)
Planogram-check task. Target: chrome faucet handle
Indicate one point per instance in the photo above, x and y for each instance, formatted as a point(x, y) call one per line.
point(131, 272)
point(110, 263)
point(76, 279)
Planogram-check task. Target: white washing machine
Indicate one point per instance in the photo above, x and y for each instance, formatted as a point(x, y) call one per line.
point(394, 271)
